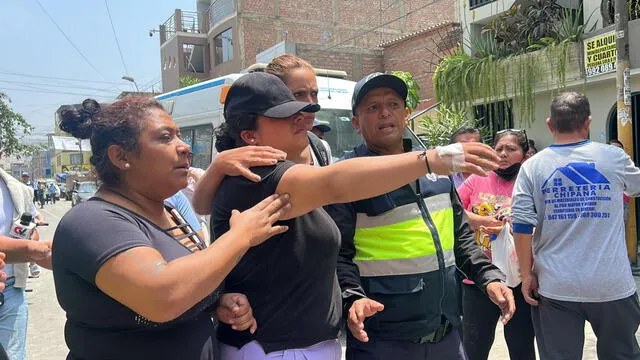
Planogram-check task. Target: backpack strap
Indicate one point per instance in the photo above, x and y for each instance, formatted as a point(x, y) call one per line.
point(318, 149)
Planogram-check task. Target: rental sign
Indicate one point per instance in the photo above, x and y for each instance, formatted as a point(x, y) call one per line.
point(600, 54)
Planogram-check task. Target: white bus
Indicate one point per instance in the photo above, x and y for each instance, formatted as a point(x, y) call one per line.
point(198, 110)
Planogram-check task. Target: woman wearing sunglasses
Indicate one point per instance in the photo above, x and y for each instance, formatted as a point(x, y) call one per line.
point(488, 204)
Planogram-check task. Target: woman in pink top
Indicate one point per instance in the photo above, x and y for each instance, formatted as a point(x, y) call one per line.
point(488, 204)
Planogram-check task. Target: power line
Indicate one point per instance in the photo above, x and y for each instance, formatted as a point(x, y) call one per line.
point(56, 92)
point(56, 78)
point(126, 71)
point(62, 92)
point(379, 26)
point(55, 85)
point(69, 40)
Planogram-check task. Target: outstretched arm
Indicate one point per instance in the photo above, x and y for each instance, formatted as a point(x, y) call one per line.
point(362, 178)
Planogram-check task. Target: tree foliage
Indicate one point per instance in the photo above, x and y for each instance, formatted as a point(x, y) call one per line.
point(188, 81)
point(436, 130)
point(13, 129)
point(413, 99)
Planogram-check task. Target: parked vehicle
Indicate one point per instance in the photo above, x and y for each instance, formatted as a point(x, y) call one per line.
point(83, 191)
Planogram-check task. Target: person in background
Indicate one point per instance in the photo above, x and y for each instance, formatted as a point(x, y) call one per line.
point(16, 199)
point(300, 78)
point(293, 290)
point(464, 134)
point(26, 179)
point(51, 193)
point(133, 281)
point(532, 149)
point(41, 193)
point(490, 198)
point(571, 193)
point(180, 202)
point(320, 129)
point(194, 176)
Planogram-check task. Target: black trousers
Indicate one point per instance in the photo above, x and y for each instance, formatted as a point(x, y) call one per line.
point(480, 317)
point(449, 348)
point(3, 354)
point(559, 328)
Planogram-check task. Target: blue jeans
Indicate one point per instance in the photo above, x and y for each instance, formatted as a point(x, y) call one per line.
point(13, 323)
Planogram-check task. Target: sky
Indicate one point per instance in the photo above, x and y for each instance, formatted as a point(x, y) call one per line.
point(39, 66)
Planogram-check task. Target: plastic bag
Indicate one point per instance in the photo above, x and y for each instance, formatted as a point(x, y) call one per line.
point(504, 256)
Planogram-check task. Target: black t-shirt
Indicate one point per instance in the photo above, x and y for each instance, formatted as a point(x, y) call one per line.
point(99, 327)
point(290, 280)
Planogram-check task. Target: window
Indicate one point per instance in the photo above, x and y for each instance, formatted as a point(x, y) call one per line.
point(75, 159)
point(223, 45)
point(200, 139)
point(477, 3)
point(495, 116)
point(194, 59)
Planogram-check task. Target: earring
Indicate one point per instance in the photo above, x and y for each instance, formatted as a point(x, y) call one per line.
point(252, 141)
point(127, 165)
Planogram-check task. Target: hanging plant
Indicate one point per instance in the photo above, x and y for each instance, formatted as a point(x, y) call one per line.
point(522, 49)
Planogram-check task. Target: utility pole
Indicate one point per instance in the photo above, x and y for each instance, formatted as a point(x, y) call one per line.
point(625, 115)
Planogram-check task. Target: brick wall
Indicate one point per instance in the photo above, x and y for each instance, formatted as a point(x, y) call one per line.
point(356, 62)
point(415, 54)
point(339, 23)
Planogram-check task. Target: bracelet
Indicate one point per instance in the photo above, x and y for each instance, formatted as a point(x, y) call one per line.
point(426, 160)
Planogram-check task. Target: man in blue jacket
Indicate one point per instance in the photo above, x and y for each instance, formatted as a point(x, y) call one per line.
point(403, 252)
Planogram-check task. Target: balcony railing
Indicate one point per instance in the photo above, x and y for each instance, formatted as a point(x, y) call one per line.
point(220, 10)
point(184, 21)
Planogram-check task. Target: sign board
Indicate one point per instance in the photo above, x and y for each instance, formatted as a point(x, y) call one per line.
point(600, 54)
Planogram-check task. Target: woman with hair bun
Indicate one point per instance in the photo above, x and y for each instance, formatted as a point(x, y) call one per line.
point(133, 278)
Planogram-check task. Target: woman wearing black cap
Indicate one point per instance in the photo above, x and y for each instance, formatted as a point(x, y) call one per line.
point(291, 281)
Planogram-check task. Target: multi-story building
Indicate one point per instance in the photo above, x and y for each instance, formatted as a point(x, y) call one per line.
point(40, 165)
point(69, 154)
point(227, 36)
point(599, 86)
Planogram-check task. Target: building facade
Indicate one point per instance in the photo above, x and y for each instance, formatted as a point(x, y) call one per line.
point(69, 154)
point(227, 36)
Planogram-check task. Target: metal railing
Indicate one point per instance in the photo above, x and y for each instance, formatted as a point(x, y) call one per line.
point(188, 21)
point(170, 27)
point(220, 10)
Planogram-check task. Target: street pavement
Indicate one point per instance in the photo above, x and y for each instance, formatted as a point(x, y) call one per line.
point(46, 318)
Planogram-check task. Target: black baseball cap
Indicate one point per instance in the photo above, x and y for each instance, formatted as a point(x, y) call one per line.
point(263, 94)
point(374, 81)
